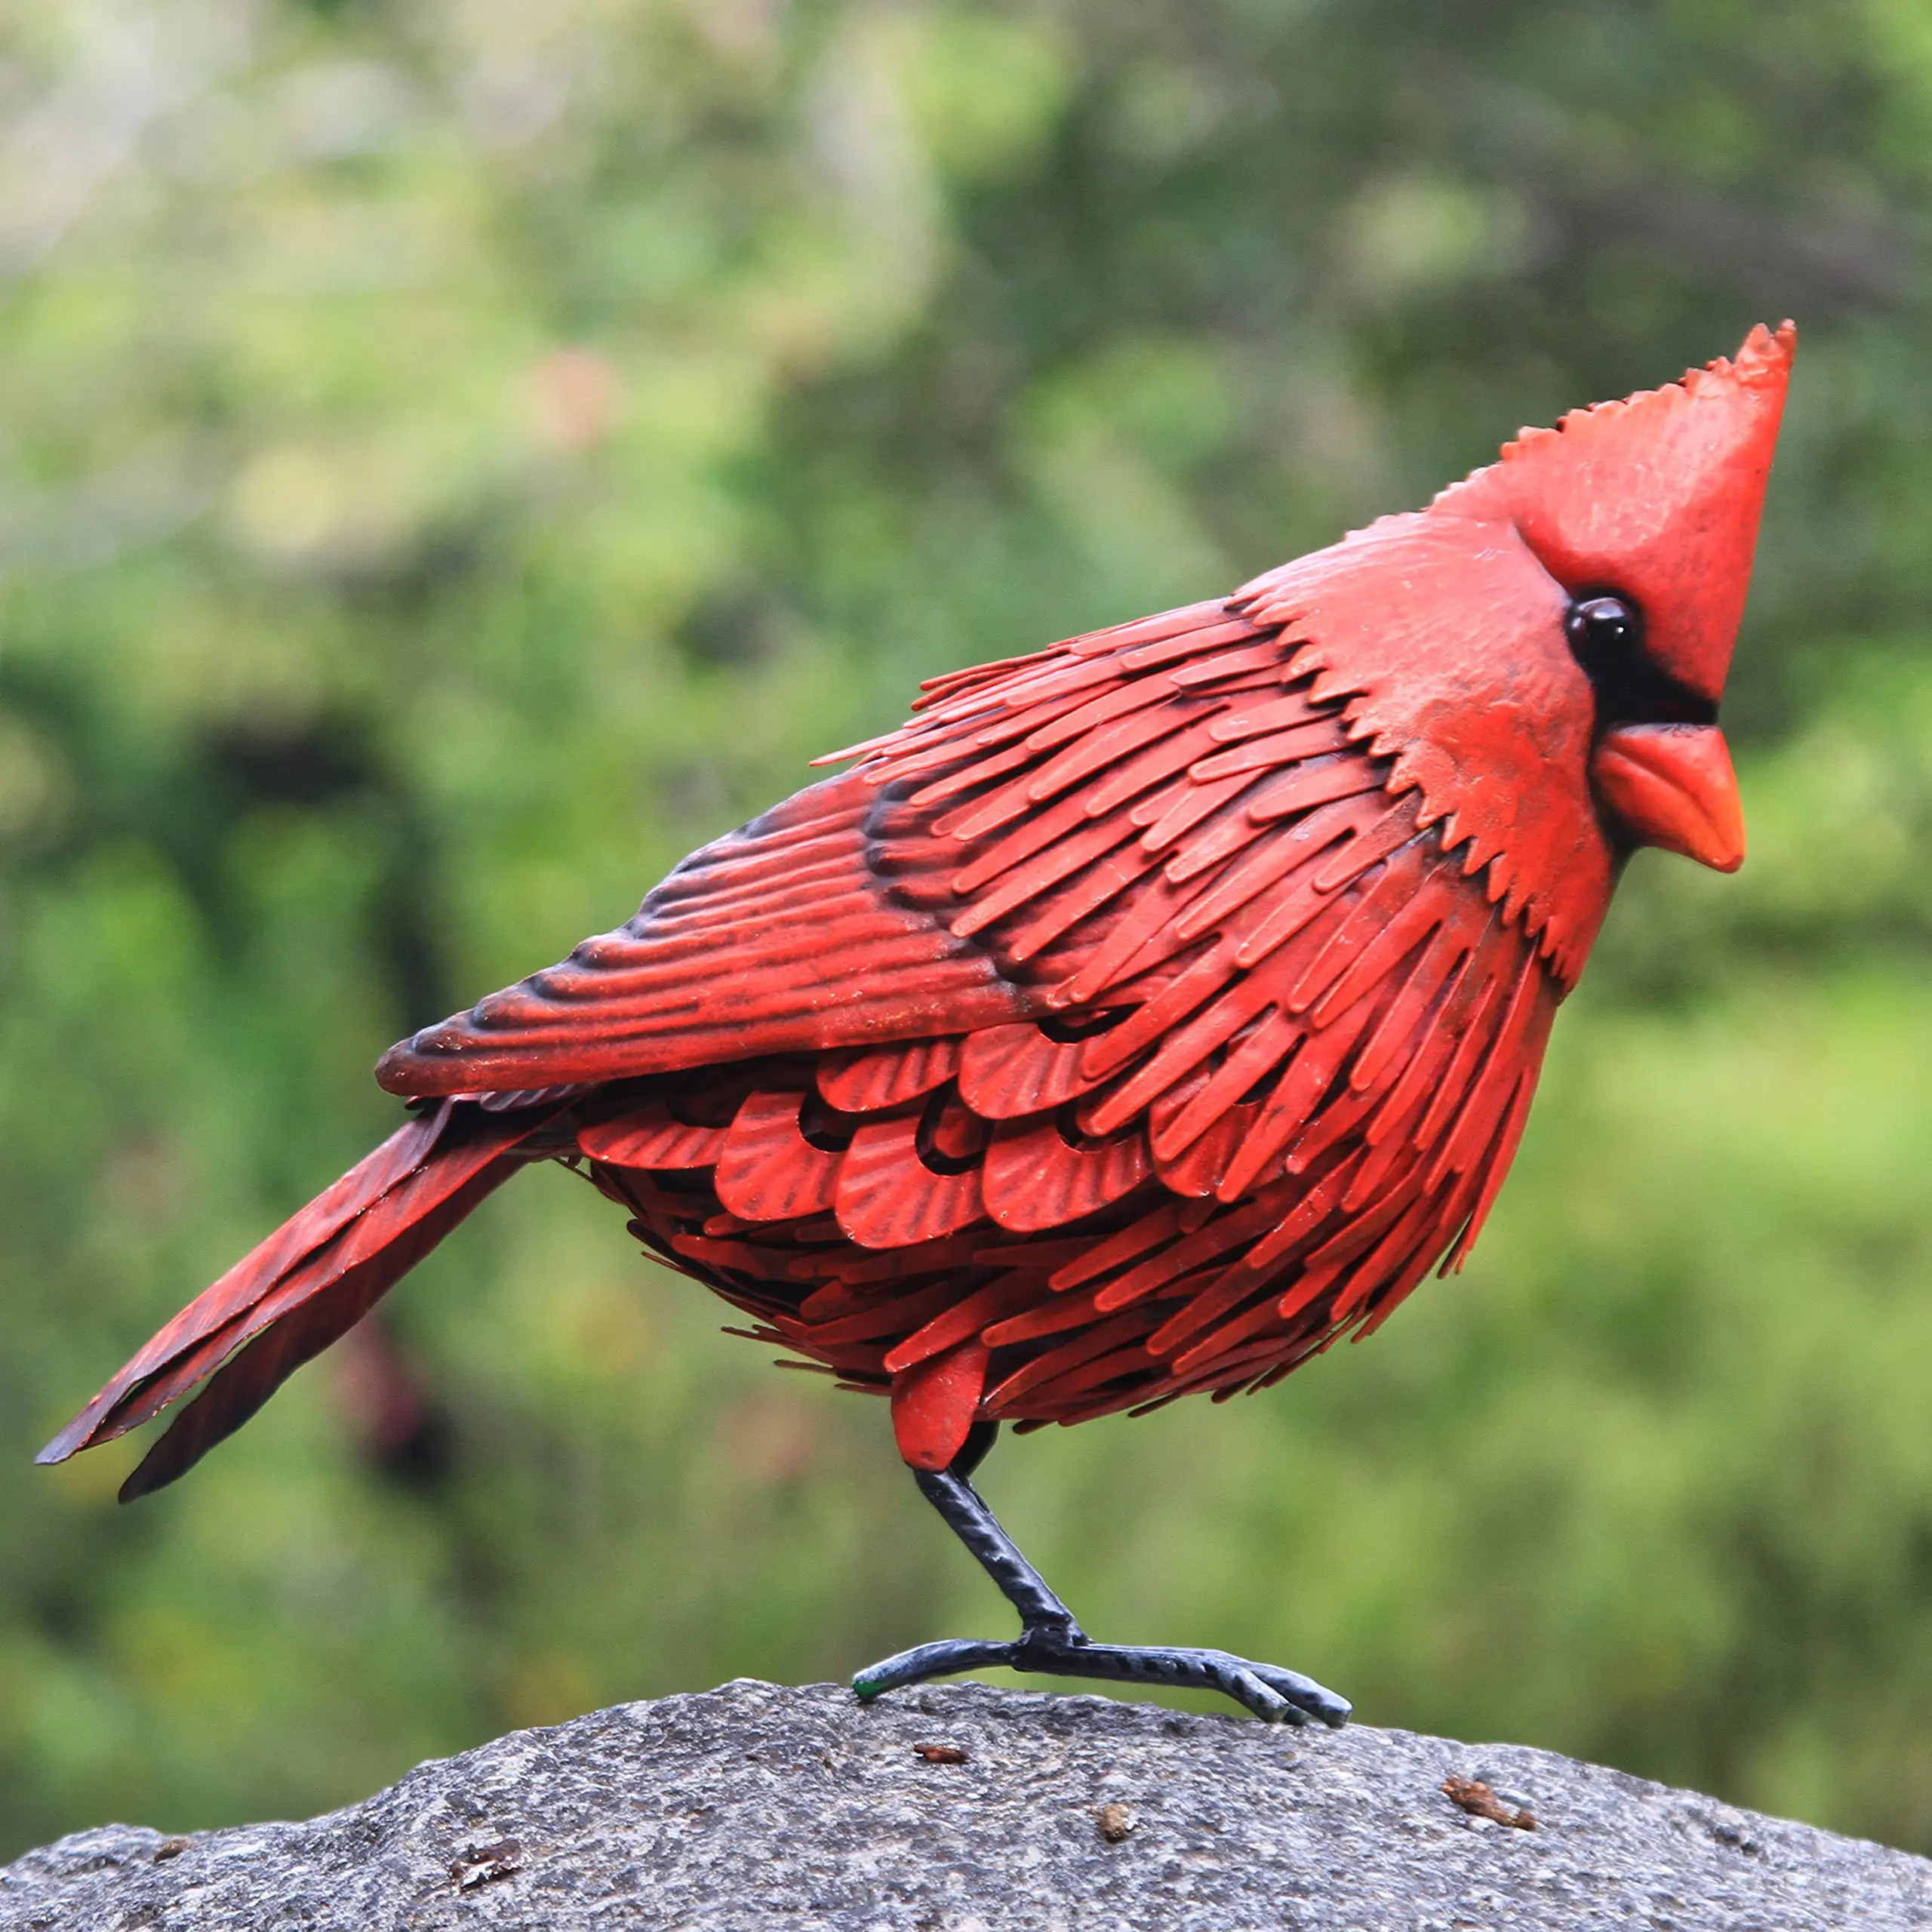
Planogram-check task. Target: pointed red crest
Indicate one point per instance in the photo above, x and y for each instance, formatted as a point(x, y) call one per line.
point(1657, 498)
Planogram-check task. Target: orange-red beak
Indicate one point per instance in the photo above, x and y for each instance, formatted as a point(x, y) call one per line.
point(1672, 785)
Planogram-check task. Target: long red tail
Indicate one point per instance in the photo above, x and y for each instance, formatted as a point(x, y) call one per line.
point(311, 1282)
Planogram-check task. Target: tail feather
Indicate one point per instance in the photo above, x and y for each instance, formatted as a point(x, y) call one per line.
point(249, 1379)
point(309, 1282)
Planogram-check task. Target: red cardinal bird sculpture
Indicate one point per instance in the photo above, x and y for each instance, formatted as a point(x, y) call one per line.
point(1142, 1016)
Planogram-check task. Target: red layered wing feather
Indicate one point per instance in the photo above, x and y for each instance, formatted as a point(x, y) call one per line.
point(781, 937)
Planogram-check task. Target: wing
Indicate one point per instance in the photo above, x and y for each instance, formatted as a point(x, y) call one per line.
point(808, 929)
point(782, 936)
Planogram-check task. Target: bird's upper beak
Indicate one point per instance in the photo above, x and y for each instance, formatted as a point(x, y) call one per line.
point(1671, 786)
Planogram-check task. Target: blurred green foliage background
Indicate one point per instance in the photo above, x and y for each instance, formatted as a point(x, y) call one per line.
point(455, 456)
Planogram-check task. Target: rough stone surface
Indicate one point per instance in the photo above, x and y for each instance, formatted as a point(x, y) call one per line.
point(757, 1806)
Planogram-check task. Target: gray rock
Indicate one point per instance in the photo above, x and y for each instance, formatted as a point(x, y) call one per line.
point(757, 1805)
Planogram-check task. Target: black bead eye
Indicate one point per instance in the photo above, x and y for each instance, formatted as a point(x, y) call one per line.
point(1599, 625)
point(1606, 635)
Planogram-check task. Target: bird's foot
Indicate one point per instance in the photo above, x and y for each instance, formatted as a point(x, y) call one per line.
point(1274, 1695)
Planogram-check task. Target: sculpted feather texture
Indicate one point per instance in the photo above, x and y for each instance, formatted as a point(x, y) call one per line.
point(1142, 1016)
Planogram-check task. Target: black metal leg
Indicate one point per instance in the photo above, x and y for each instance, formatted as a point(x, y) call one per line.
point(1052, 1644)
point(979, 1438)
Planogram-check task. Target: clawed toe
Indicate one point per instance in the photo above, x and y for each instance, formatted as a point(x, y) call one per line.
point(946, 1658)
point(1269, 1705)
point(1271, 1694)
point(1307, 1698)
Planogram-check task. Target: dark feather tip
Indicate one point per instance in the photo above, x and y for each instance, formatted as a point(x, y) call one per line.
point(73, 1437)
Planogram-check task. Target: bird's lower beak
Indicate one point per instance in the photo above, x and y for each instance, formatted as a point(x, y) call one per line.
point(1672, 785)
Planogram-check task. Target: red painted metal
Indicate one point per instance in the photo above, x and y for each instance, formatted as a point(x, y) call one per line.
point(1672, 785)
point(1140, 1017)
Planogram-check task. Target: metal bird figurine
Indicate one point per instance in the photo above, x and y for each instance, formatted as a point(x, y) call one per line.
point(1142, 1016)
